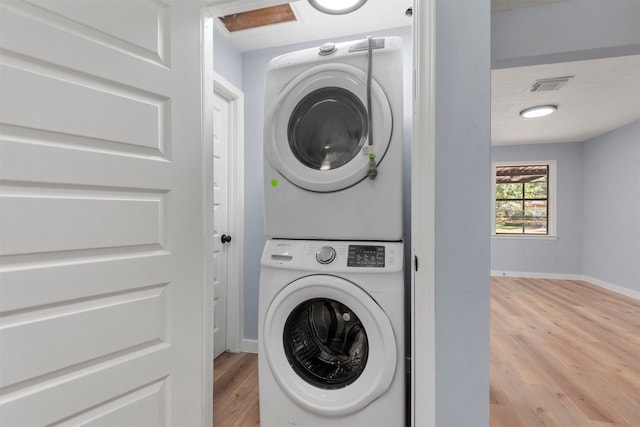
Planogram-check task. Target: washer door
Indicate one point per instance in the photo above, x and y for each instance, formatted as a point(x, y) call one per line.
point(316, 129)
point(329, 345)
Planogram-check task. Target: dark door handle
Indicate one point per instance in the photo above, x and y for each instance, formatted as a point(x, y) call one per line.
point(225, 238)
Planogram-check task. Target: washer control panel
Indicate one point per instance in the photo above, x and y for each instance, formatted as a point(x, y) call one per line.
point(332, 256)
point(325, 254)
point(366, 256)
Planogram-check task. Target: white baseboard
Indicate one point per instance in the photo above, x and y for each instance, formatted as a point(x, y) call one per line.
point(250, 346)
point(532, 275)
point(615, 288)
point(558, 276)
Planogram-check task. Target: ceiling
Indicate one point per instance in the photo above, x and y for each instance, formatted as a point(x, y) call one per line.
point(601, 95)
point(314, 25)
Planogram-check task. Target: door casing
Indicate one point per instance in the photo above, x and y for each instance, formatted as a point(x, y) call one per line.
point(235, 265)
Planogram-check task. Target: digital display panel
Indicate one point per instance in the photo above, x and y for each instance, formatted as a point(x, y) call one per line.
point(366, 256)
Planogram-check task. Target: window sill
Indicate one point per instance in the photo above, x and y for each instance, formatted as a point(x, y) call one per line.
point(526, 237)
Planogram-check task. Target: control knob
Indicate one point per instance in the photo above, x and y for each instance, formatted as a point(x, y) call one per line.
point(325, 254)
point(327, 49)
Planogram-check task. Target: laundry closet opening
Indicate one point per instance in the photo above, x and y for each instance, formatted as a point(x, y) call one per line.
point(242, 58)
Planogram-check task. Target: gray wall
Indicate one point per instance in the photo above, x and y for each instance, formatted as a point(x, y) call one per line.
point(254, 64)
point(546, 255)
point(462, 130)
point(612, 207)
point(227, 60)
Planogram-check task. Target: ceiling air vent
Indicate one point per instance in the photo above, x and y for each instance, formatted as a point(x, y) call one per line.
point(549, 84)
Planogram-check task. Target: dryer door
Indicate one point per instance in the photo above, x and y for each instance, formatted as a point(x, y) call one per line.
point(316, 129)
point(329, 345)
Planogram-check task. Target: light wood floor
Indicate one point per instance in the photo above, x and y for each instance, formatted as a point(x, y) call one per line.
point(235, 390)
point(563, 353)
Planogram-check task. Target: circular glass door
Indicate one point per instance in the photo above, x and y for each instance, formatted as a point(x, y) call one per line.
point(327, 128)
point(325, 343)
point(329, 345)
point(316, 128)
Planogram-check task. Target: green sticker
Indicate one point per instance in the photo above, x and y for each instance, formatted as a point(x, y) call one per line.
point(274, 182)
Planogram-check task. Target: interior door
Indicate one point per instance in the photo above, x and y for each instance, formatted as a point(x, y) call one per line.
point(105, 311)
point(220, 219)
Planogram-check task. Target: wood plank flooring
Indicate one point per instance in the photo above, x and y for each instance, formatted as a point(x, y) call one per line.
point(563, 354)
point(235, 390)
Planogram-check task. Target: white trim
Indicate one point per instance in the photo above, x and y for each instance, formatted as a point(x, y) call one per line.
point(559, 276)
point(614, 288)
point(552, 196)
point(526, 236)
point(536, 275)
point(235, 267)
point(249, 346)
point(423, 353)
point(206, 31)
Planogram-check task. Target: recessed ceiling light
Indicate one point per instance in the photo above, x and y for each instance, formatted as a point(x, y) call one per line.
point(337, 7)
point(539, 111)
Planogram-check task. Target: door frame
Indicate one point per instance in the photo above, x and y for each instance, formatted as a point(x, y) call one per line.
point(423, 319)
point(206, 149)
point(423, 363)
point(235, 216)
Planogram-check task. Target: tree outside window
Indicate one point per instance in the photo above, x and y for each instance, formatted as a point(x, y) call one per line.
point(522, 199)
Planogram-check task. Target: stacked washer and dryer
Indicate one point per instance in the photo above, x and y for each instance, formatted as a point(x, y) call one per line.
point(331, 305)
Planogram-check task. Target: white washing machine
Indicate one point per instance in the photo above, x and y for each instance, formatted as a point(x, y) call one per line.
point(331, 334)
point(319, 143)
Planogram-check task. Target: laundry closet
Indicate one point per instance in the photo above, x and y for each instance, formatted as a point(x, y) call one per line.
point(329, 182)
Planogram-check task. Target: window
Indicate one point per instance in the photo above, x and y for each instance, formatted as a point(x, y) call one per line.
point(524, 198)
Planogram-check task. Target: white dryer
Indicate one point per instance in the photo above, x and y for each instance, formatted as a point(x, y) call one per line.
point(331, 334)
point(319, 143)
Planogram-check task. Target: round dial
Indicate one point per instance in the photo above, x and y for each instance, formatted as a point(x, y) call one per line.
point(327, 49)
point(325, 254)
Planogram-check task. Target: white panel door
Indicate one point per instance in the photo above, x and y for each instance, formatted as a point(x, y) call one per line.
point(220, 216)
point(105, 310)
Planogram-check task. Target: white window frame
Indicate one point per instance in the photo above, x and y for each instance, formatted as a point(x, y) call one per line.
point(552, 179)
